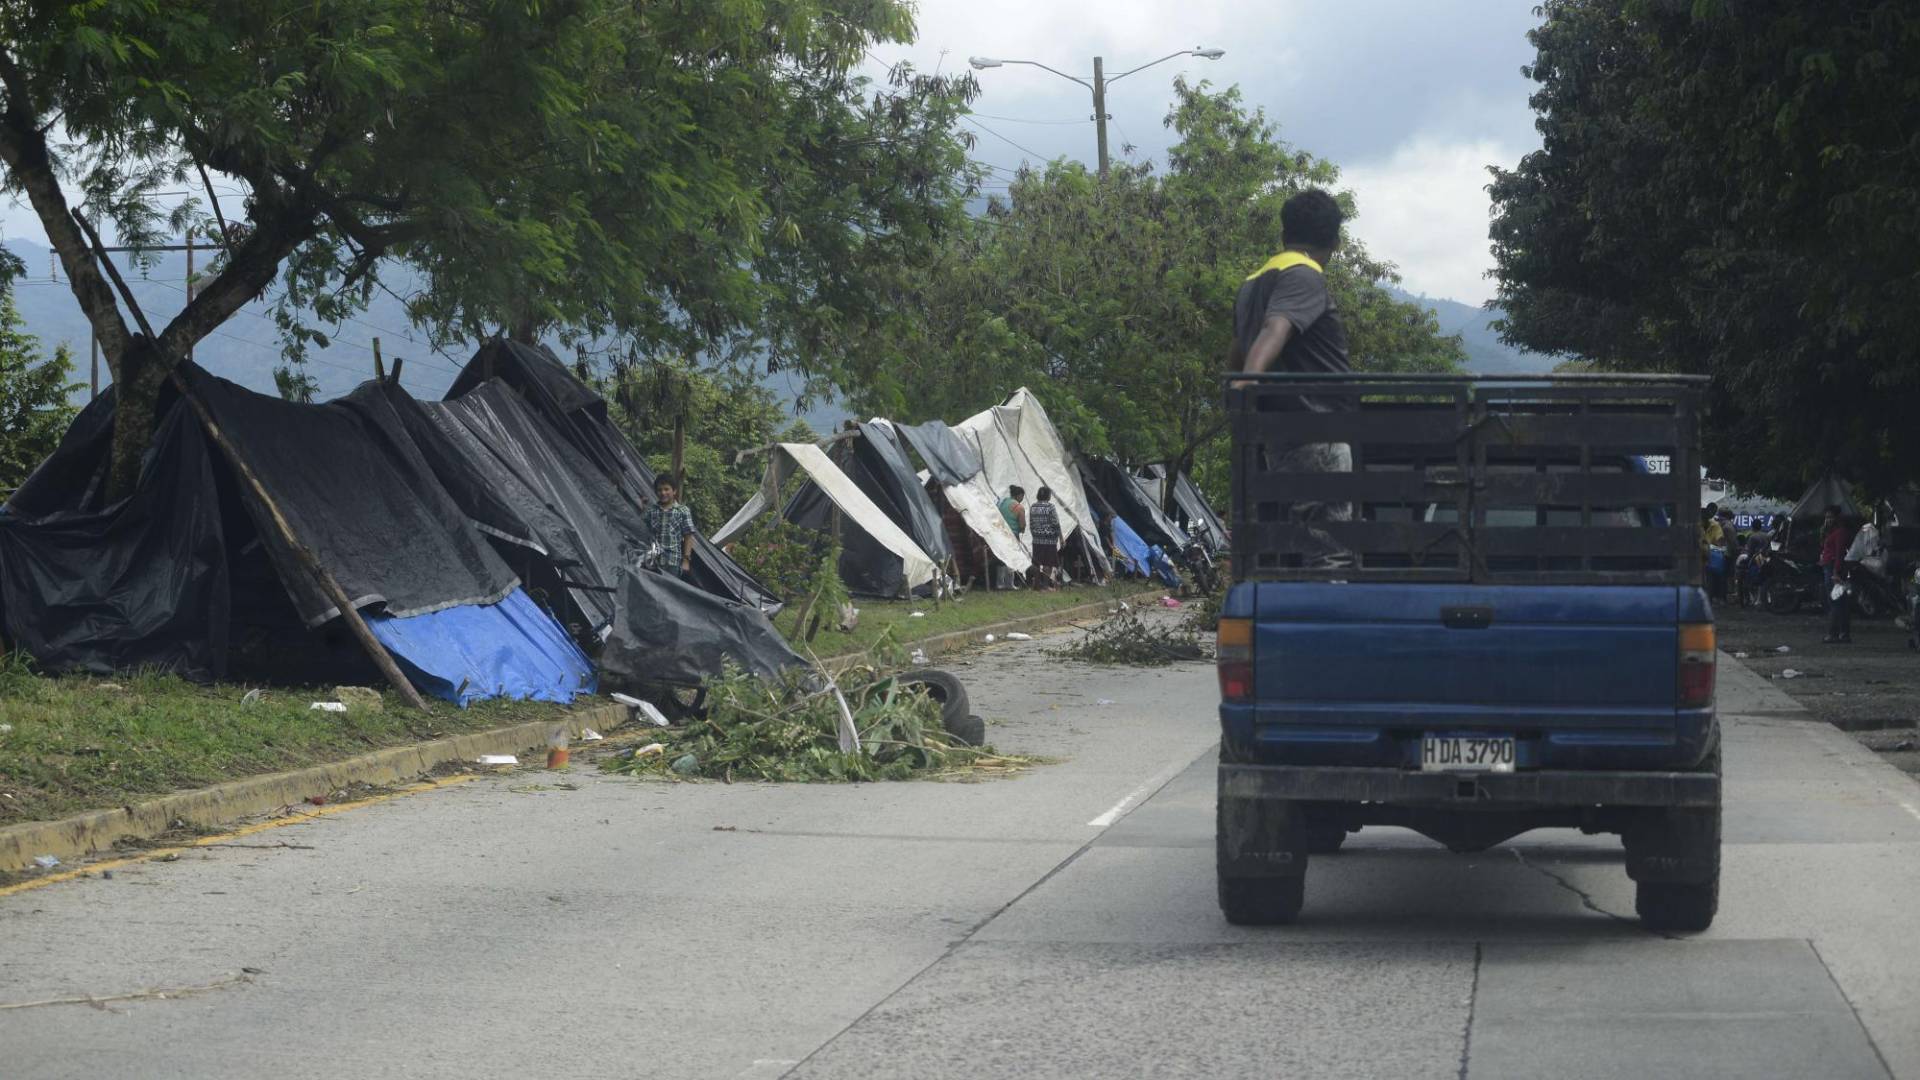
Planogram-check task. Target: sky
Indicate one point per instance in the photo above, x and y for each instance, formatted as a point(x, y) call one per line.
point(1413, 99)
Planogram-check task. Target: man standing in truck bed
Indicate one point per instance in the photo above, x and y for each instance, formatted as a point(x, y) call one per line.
point(1284, 319)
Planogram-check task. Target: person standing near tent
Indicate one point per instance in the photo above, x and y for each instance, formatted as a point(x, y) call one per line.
point(1833, 541)
point(1284, 319)
point(670, 526)
point(1046, 539)
point(1014, 511)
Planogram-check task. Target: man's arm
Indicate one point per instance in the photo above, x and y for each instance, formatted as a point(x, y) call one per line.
point(1274, 333)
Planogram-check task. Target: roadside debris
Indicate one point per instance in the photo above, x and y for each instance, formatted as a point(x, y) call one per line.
point(1784, 649)
point(46, 862)
point(251, 697)
point(1169, 602)
point(327, 706)
point(590, 735)
point(497, 759)
point(646, 709)
point(1127, 639)
point(1740, 656)
point(1017, 636)
point(860, 725)
point(359, 697)
point(917, 615)
point(988, 639)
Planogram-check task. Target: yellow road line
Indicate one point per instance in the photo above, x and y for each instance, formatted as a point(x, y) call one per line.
point(222, 838)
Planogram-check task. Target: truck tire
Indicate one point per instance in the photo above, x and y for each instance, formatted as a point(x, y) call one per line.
point(1673, 856)
point(1260, 849)
point(949, 693)
point(1668, 907)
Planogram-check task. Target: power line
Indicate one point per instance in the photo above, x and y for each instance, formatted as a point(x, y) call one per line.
point(1003, 138)
point(1024, 120)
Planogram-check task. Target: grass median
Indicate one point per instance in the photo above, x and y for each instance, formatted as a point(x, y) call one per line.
point(77, 743)
point(975, 609)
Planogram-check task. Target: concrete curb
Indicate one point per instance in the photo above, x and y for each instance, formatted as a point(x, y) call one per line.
point(96, 830)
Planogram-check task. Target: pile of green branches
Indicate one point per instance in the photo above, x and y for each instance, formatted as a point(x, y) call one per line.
point(788, 729)
point(1203, 611)
point(1126, 638)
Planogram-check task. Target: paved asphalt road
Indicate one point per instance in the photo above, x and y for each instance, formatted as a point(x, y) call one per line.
point(1059, 924)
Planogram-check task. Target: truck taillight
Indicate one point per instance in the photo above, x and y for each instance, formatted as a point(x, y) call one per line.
point(1234, 652)
point(1695, 690)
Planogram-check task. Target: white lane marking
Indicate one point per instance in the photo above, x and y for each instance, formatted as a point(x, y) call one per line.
point(1153, 782)
point(768, 1068)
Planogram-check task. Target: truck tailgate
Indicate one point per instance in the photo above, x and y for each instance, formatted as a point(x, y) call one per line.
point(1420, 655)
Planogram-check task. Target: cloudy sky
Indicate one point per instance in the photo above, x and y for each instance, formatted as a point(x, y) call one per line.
point(1411, 98)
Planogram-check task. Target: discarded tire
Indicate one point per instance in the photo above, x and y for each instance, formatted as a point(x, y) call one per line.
point(944, 688)
point(971, 731)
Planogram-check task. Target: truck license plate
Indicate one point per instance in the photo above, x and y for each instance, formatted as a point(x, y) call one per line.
point(1466, 753)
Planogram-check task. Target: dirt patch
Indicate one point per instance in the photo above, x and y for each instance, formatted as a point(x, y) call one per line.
point(1870, 688)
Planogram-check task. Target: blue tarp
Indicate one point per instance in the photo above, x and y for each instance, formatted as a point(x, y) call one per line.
point(1132, 549)
point(473, 652)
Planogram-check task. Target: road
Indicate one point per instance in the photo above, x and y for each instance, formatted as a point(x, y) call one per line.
point(1058, 924)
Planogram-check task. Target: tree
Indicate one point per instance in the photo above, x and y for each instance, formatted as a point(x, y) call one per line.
point(1731, 190)
point(686, 177)
point(726, 412)
point(1114, 298)
point(34, 410)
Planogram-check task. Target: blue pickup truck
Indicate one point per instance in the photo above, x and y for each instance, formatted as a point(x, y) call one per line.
point(1485, 617)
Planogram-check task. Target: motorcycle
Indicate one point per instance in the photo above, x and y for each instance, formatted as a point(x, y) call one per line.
point(1786, 584)
point(1874, 594)
point(1199, 560)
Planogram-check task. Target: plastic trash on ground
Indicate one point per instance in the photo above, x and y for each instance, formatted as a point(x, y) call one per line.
point(1784, 649)
point(917, 615)
point(46, 862)
point(988, 639)
point(1017, 636)
point(644, 708)
point(1168, 601)
point(1790, 673)
point(327, 706)
point(590, 735)
point(497, 759)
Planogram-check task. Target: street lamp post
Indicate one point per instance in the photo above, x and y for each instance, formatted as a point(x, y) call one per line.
point(1098, 85)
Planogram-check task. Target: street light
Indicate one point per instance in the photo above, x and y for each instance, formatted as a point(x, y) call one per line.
point(1098, 85)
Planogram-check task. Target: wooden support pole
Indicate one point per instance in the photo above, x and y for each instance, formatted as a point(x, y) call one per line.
point(304, 555)
point(398, 362)
point(308, 561)
point(379, 369)
point(680, 453)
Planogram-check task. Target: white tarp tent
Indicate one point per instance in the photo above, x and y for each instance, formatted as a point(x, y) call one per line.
point(977, 505)
point(787, 458)
point(1020, 446)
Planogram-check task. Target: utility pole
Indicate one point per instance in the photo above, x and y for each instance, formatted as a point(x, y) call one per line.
point(1098, 85)
point(1100, 111)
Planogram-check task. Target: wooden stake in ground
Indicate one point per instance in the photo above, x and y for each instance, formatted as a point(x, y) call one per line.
point(308, 561)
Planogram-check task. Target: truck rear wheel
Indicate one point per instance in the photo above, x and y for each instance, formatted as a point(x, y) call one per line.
point(1685, 909)
point(1673, 856)
point(1260, 848)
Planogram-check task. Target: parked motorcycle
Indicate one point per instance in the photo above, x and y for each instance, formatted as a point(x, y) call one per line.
point(1874, 594)
point(1787, 584)
point(1199, 560)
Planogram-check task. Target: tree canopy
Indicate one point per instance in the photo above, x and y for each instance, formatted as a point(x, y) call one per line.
point(34, 410)
point(1114, 298)
point(1731, 189)
point(685, 177)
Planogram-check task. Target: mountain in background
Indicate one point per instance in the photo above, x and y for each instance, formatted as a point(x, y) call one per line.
point(1486, 353)
point(246, 348)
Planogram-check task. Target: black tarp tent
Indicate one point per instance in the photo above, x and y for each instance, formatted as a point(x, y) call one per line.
point(190, 574)
point(875, 461)
point(580, 416)
point(578, 543)
point(1133, 504)
point(1193, 513)
point(420, 511)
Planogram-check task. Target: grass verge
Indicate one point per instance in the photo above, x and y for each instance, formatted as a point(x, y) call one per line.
point(975, 609)
point(74, 743)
